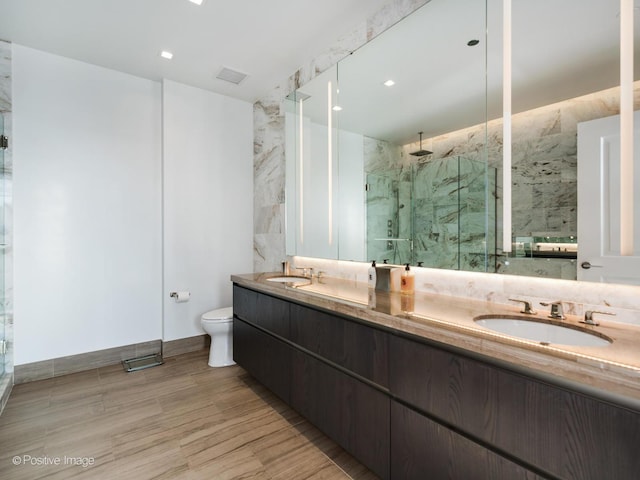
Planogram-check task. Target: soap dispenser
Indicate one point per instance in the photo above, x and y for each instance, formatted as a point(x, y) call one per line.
point(372, 275)
point(408, 280)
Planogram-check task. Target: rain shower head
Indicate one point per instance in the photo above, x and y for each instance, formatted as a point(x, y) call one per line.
point(421, 152)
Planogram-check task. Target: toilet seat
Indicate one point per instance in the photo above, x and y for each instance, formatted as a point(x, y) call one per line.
point(220, 315)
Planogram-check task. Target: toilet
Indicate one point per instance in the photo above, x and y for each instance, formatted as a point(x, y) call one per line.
point(219, 324)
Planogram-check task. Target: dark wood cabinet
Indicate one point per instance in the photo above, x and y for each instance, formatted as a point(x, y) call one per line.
point(245, 303)
point(266, 358)
point(312, 360)
point(423, 449)
point(356, 347)
point(546, 427)
point(408, 408)
point(264, 311)
point(348, 410)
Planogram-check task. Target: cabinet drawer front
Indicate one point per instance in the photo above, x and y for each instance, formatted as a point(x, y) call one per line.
point(266, 311)
point(266, 358)
point(356, 347)
point(424, 449)
point(349, 411)
point(244, 303)
point(565, 433)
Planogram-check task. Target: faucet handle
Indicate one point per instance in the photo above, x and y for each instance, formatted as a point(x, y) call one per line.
point(526, 308)
point(588, 317)
point(556, 309)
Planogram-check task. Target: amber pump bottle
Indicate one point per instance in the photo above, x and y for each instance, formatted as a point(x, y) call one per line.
point(408, 280)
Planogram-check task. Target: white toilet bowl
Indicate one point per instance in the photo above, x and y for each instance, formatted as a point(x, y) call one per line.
point(219, 324)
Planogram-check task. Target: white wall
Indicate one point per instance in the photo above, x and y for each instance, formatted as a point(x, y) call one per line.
point(208, 201)
point(87, 197)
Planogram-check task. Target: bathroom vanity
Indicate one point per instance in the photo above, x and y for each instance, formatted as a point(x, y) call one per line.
point(427, 394)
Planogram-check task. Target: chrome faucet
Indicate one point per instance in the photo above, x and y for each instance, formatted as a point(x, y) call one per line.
point(556, 309)
point(306, 271)
point(588, 317)
point(526, 308)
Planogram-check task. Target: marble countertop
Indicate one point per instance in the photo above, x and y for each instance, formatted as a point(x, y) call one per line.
point(614, 368)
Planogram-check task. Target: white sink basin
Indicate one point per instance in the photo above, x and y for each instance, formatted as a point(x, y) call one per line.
point(295, 280)
point(545, 333)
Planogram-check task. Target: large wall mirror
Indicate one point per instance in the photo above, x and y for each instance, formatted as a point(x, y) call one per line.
point(396, 153)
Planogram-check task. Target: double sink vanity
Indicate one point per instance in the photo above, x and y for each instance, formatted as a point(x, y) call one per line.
point(433, 386)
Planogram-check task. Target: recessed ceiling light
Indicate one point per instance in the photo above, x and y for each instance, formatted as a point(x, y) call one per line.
point(337, 108)
point(389, 83)
point(197, 2)
point(167, 55)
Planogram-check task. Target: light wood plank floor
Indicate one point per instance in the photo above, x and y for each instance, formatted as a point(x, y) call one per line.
point(182, 420)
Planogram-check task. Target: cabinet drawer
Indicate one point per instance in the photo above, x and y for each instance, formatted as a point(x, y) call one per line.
point(266, 358)
point(563, 432)
point(349, 411)
point(244, 303)
point(421, 448)
point(355, 347)
point(262, 310)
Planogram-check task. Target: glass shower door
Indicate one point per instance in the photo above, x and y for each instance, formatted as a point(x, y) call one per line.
point(3, 243)
point(388, 206)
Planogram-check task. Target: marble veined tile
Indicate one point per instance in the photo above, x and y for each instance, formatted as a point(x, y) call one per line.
point(5, 76)
point(390, 14)
point(268, 251)
point(380, 155)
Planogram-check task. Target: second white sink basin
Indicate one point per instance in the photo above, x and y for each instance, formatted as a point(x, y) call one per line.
point(545, 333)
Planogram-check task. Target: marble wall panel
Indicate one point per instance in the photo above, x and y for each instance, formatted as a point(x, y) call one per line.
point(5, 76)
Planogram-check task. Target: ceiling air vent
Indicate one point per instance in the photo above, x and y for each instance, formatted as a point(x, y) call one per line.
point(229, 75)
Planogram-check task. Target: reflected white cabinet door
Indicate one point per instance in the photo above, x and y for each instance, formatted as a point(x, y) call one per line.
point(599, 258)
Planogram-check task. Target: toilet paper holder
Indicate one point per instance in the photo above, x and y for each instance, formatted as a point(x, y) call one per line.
point(180, 296)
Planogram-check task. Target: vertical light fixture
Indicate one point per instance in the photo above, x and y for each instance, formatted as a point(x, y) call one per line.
point(301, 170)
point(330, 159)
point(506, 126)
point(626, 127)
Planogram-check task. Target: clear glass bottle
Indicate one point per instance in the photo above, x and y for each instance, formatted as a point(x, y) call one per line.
point(371, 279)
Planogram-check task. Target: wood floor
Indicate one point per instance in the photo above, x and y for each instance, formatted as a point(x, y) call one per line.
point(182, 420)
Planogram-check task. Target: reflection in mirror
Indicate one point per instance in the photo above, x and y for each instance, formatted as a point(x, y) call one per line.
point(433, 214)
point(565, 73)
point(562, 78)
point(312, 156)
point(384, 99)
point(425, 203)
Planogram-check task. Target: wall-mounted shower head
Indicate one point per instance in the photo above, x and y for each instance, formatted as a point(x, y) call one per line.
point(421, 152)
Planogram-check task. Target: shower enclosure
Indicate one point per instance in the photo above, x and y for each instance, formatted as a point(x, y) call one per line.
point(3, 244)
point(439, 213)
point(6, 379)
